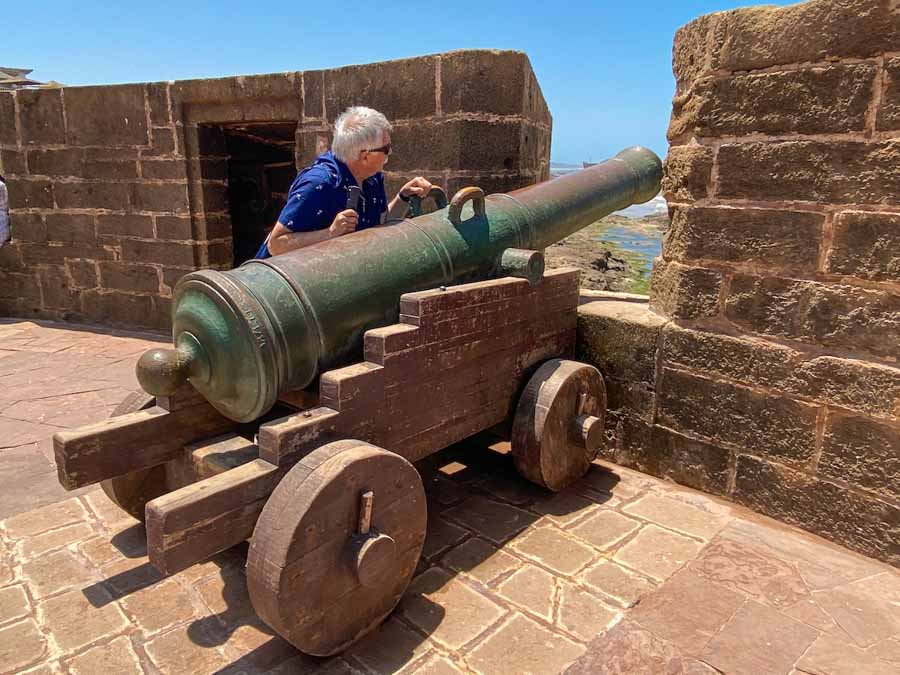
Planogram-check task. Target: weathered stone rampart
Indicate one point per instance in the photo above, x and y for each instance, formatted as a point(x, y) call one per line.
point(765, 367)
point(118, 191)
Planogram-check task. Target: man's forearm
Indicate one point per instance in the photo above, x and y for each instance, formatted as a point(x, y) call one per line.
point(397, 209)
point(290, 241)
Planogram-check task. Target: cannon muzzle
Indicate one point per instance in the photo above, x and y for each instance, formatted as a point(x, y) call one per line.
point(244, 336)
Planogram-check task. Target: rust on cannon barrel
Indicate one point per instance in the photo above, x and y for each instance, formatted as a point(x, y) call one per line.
point(245, 336)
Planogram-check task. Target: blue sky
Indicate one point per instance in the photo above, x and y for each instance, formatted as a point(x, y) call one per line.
point(604, 67)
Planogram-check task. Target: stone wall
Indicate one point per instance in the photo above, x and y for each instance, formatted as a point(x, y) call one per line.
point(118, 191)
point(765, 367)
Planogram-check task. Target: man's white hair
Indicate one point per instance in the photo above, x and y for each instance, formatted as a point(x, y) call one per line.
point(358, 128)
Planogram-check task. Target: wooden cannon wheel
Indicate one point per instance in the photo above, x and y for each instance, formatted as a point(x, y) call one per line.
point(558, 424)
point(336, 545)
point(132, 491)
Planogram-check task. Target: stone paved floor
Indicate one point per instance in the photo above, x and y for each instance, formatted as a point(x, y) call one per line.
point(622, 574)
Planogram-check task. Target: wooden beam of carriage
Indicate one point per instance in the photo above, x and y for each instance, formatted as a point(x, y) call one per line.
point(132, 442)
point(199, 520)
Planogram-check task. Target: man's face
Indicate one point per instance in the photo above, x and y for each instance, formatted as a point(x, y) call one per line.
point(376, 158)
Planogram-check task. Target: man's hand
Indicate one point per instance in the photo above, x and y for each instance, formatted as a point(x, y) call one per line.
point(344, 223)
point(418, 186)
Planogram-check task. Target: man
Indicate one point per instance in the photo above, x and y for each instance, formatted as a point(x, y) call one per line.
point(316, 207)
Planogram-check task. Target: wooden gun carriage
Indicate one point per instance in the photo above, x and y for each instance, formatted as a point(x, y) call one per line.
point(323, 487)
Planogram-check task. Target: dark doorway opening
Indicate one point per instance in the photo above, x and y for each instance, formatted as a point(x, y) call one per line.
point(261, 169)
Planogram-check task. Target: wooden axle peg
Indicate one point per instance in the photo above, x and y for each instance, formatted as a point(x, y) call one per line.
point(373, 554)
point(366, 501)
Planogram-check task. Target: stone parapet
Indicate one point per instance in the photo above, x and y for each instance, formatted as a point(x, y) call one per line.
point(117, 191)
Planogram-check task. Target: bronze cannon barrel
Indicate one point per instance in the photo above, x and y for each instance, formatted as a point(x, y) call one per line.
point(244, 336)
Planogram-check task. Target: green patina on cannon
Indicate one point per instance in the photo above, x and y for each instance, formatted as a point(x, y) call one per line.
point(245, 336)
point(251, 429)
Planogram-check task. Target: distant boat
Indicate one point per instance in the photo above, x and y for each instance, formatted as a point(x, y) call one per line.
point(588, 165)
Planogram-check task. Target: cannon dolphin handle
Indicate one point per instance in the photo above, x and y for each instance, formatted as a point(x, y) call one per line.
point(244, 336)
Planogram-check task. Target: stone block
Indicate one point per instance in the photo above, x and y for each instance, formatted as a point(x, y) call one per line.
point(112, 225)
point(866, 245)
point(160, 197)
point(490, 183)
point(863, 523)
point(687, 173)
point(14, 604)
point(8, 115)
point(115, 307)
point(465, 145)
point(30, 194)
point(111, 154)
point(826, 314)
point(532, 588)
point(620, 338)
point(127, 277)
point(863, 452)
point(661, 452)
point(831, 172)
point(56, 161)
point(616, 582)
point(57, 292)
point(56, 572)
point(21, 645)
point(269, 97)
point(117, 656)
point(889, 111)
point(28, 227)
point(204, 141)
point(162, 142)
point(524, 646)
point(765, 424)
point(21, 287)
point(474, 81)
point(657, 553)
point(605, 529)
point(818, 100)
point(82, 272)
point(761, 37)
point(402, 89)
point(106, 115)
point(480, 560)
point(178, 228)
point(167, 169)
point(70, 227)
point(313, 95)
point(116, 170)
point(12, 163)
point(680, 516)
point(493, 520)
point(56, 253)
point(553, 549)
point(682, 292)
point(581, 614)
point(43, 519)
point(764, 237)
point(208, 197)
point(870, 388)
point(746, 360)
point(41, 116)
point(112, 196)
point(158, 100)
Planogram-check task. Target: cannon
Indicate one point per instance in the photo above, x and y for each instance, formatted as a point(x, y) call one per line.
point(300, 390)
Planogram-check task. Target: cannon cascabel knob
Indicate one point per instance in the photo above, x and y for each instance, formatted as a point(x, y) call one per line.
point(162, 371)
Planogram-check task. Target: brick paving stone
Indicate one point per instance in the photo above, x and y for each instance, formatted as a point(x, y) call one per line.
point(176, 653)
point(509, 486)
point(389, 648)
point(627, 648)
point(226, 594)
point(115, 657)
point(32, 547)
point(447, 610)
point(605, 529)
point(98, 550)
point(44, 669)
point(564, 508)
point(110, 516)
point(806, 610)
point(657, 552)
point(832, 656)
point(582, 614)
point(250, 644)
point(441, 536)
point(523, 646)
point(15, 432)
point(307, 665)
point(554, 549)
point(758, 639)
point(7, 572)
point(868, 609)
point(531, 588)
point(125, 576)
point(480, 560)
point(74, 622)
point(677, 515)
point(687, 611)
point(55, 572)
point(438, 665)
point(493, 520)
point(613, 580)
point(43, 519)
point(160, 606)
point(14, 604)
point(752, 570)
point(886, 650)
point(441, 492)
point(21, 644)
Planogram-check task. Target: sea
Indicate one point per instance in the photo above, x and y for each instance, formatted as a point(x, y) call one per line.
point(655, 206)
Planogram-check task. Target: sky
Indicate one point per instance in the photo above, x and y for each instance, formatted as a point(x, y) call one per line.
point(605, 68)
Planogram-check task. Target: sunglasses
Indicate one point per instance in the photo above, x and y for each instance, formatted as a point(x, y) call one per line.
point(386, 149)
